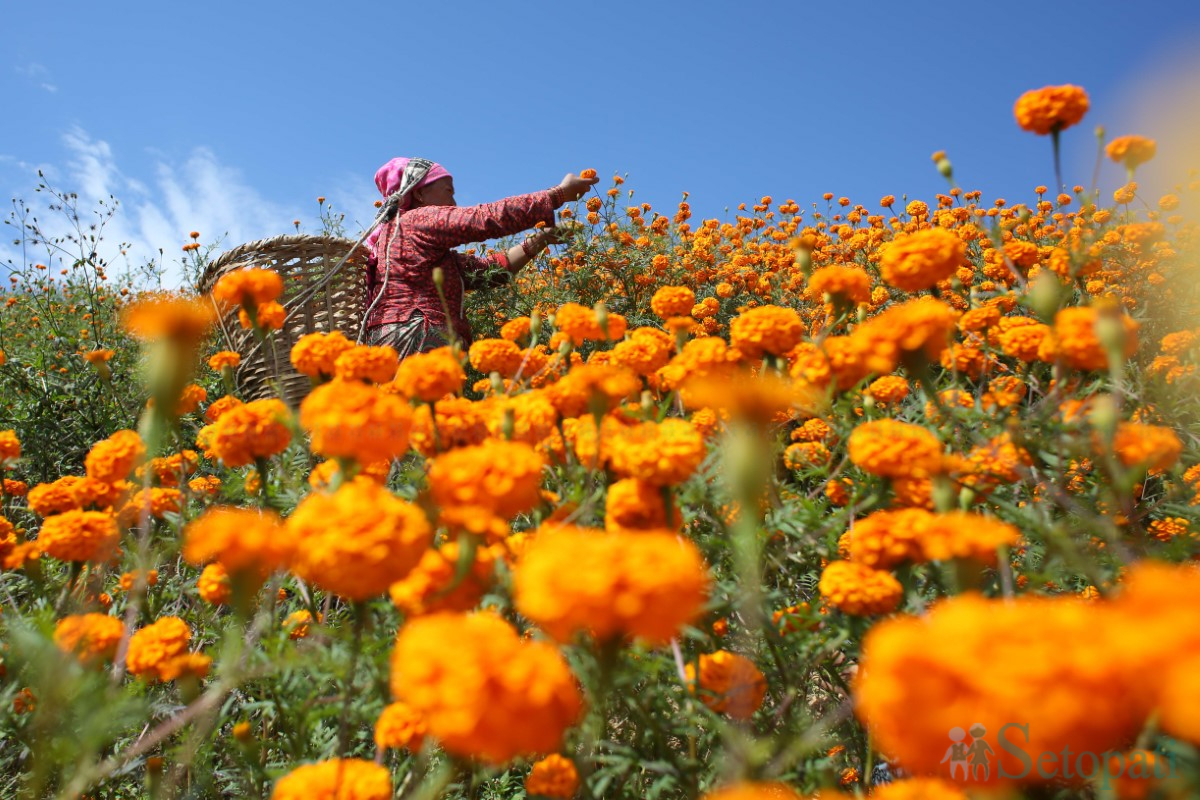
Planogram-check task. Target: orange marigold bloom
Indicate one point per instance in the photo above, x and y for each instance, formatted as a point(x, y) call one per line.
point(495, 355)
point(316, 354)
point(1167, 529)
point(919, 789)
point(248, 287)
point(79, 536)
point(921, 259)
point(1077, 333)
point(366, 363)
point(920, 328)
point(270, 316)
point(595, 388)
point(247, 432)
point(219, 406)
point(400, 728)
point(57, 496)
point(1024, 342)
point(1131, 151)
point(357, 541)
point(672, 301)
point(159, 651)
point(351, 419)
point(91, 638)
point(214, 586)
point(766, 329)
point(634, 505)
point(501, 477)
point(296, 623)
point(516, 330)
point(335, 779)
point(160, 316)
point(156, 501)
point(890, 389)
point(553, 776)
point(803, 455)
point(1151, 447)
point(894, 449)
point(430, 376)
point(729, 683)
point(112, 459)
point(436, 585)
point(644, 352)
point(580, 324)
point(885, 539)
point(641, 584)
point(190, 399)
point(662, 454)
point(860, 590)
point(240, 539)
point(223, 359)
point(98, 356)
point(205, 485)
point(460, 423)
point(10, 445)
point(1051, 108)
point(755, 791)
point(846, 284)
point(483, 691)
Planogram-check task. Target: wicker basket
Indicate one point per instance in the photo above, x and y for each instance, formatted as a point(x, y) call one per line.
point(314, 299)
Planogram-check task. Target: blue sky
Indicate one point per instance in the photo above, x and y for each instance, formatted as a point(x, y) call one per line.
point(231, 118)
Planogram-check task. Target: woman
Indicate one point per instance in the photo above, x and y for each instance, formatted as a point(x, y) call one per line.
point(404, 308)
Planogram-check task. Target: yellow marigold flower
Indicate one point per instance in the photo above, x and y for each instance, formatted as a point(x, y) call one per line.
point(921, 259)
point(435, 584)
point(159, 651)
point(460, 423)
point(112, 459)
point(10, 446)
point(219, 406)
point(1051, 108)
point(79, 536)
point(55, 497)
point(430, 376)
point(214, 586)
point(894, 449)
point(860, 590)
point(351, 419)
point(762, 399)
point(766, 329)
point(1168, 528)
point(532, 414)
point(1024, 342)
point(672, 301)
point(516, 330)
point(920, 328)
point(641, 584)
point(156, 501)
point(699, 357)
point(335, 779)
point(1131, 151)
point(634, 505)
point(502, 477)
point(842, 283)
point(247, 432)
point(1077, 337)
point(593, 388)
point(979, 319)
point(243, 540)
point(754, 791)
point(248, 287)
point(644, 353)
point(365, 363)
point(885, 539)
point(91, 638)
point(190, 399)
point(223, 359)
point(162, 316)
point(316, 354)
point(357, 541)
point(296, 624)
point(662, 454)
point(483, 691)
point(205, 485)
point(400, 728)
point(495, 355)
point(580, 324)
point(553, 776)
point(804, 455)
point(889, 390)
point(729, 683)
point(1150, 447)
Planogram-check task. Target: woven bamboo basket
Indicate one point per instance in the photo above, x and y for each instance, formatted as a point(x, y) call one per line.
point(315, 301)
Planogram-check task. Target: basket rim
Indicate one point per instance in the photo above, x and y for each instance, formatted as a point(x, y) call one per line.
point(236, 253)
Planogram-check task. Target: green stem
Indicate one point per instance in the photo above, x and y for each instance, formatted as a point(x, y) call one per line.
point(360, 617)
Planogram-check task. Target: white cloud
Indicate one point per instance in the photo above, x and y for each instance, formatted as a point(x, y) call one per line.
point(38, 74)
point(158, 211)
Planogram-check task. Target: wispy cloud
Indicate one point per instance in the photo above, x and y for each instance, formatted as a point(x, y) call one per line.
point(38, 74)
point(156, 212)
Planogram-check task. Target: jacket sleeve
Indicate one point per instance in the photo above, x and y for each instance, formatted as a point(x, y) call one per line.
point(444, 227)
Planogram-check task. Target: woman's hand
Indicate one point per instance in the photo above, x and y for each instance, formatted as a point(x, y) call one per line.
point(575, 187)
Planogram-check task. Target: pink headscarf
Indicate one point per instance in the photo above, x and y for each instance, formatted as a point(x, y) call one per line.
point(387, 178)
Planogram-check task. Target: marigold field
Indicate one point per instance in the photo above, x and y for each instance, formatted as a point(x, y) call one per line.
point(784, 506)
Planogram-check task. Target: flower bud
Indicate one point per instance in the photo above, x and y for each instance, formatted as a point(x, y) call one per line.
point(535, 324)
point(509, 424)
point(1103, 416)
point(944, 167)
point(1111, 334)
point(497, 382)
point(602, 317)
point(1045, 295)
point(439, 277)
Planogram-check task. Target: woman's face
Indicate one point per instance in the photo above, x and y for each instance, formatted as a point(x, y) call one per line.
point(438, 193)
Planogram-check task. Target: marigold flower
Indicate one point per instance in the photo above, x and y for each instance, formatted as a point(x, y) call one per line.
point(919, 789)
point(159, 651)
point(483, 691)
point(190, 399)
point(162, 316)
point(645, 353)
point(754, 791)
point(1077, 337)
point(248, 287)
point(430, 376)
point(889, 390)
point(894, 449)
point(805, 455)
point(1024, 342)
point(351, 419)
point(248, 432)
point(79, 536)
point(672, 301)
point(634, 505)
point(640, 584)
point(662, 454)
point(335, 779)
point(316, 354)
point(766, 329)
point(860, 590)
point(460, 423)
point(366, 363)
point(1167, 529)
point(842, 283)
point(553, 776)
point(502, 477)
point(1151, 447)
point(1131, 151)
point(91, 638)
point(921, 259)
point(225, 358)
point(594, 388)
point(243, 540)
point(436, 585)
point(516, 330)
point(296, 624)
point(920, 328)
point(10, 446)
point(219, 406)
point(55, 497)
point(112, 459)
point(214, 585)
point(1051, 108)
point(495, 355)
point(730, 684)
point(156, 501)
point(580, 324)
point(400, 728)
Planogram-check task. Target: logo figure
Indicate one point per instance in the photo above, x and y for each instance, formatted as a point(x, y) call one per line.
point(956, 753)
point(979, 751)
